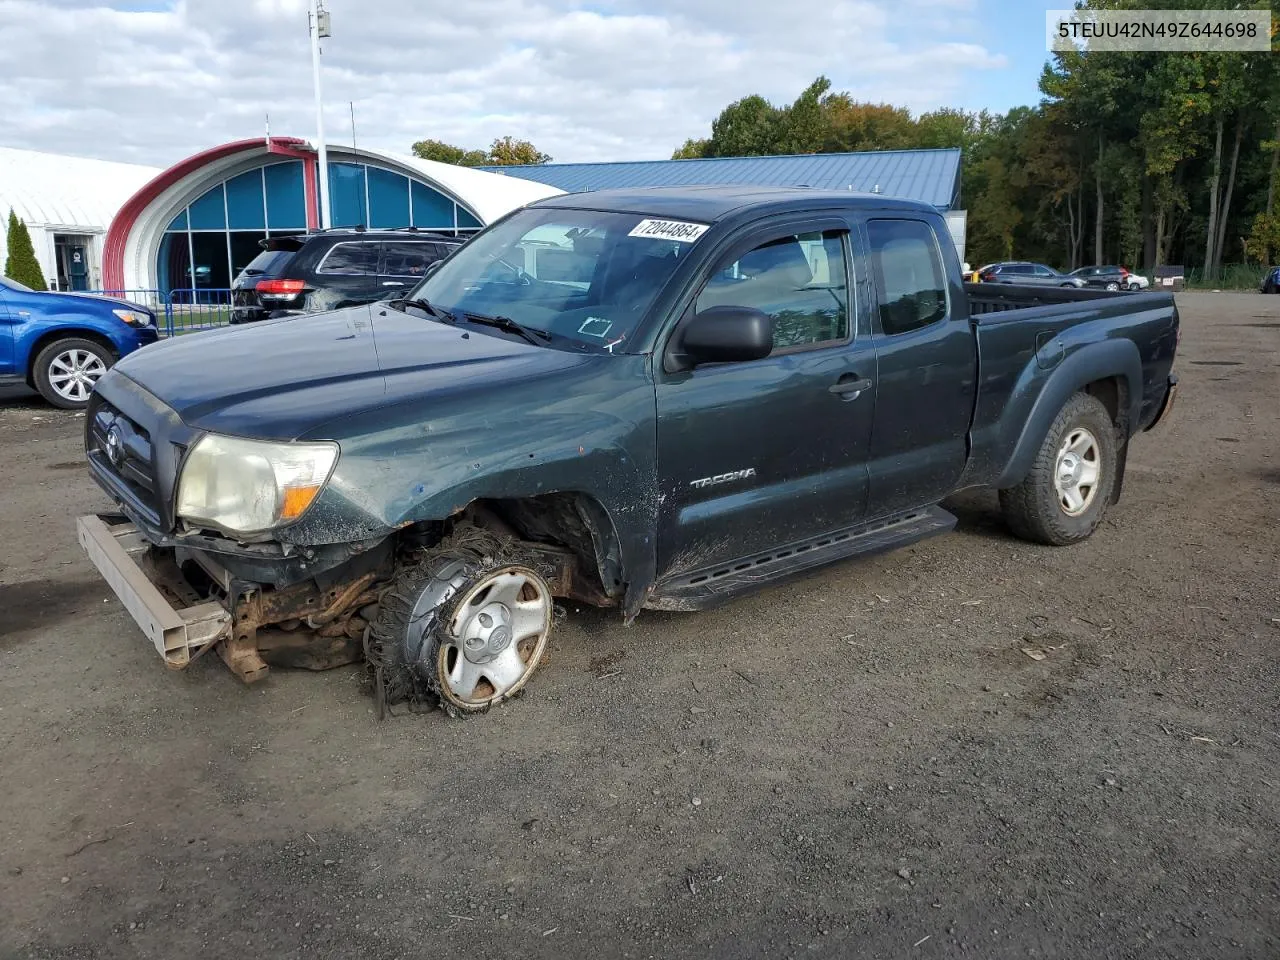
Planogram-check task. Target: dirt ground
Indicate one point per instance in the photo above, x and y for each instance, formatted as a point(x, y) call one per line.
point(864, 763)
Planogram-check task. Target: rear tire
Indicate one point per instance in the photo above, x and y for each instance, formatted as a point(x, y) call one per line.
point(1112, 286)
point(465, 625)
point(66, 370)
point(1065, 494)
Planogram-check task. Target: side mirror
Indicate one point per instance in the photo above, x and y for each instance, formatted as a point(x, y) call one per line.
point(432, 268)
point(724, 335)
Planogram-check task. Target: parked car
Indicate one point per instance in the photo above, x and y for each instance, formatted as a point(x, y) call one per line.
point(328, 270)
point(62, 343)
point(706, 413)
point(1110, 278)
point(1271, 281)
point(1028, 274)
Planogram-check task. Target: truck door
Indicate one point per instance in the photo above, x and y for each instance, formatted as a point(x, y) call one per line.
point(758, 454)
point(927, 366)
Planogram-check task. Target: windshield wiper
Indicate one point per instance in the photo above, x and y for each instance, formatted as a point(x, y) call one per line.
point(532, 334)
point(440, 313)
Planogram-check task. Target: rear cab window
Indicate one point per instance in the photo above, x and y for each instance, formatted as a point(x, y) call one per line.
point(906, 265)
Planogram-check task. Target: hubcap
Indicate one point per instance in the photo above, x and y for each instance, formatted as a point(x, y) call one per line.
point(73, 373)
point(1075, 478)
point(497, 636)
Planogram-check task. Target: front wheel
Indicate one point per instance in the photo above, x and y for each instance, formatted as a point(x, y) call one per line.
point(1065, 494)
point(66, 371)
point(466, 625)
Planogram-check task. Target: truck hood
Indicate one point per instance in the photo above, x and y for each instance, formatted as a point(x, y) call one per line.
point(283, 379)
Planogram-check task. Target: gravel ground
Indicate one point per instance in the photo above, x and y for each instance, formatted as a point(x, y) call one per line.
point(862, 763)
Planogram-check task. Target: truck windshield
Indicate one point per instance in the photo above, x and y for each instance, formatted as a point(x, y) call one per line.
point(585, 275)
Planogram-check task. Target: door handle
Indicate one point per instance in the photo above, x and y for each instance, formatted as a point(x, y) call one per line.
point(850, 387)
point(392, 283)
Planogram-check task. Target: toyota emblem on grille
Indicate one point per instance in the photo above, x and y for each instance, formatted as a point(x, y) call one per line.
point(115, 447)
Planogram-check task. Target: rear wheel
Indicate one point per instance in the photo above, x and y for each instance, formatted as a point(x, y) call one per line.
point(466, 625)
point(1065, 494)
point(1113, 286)
point(66, 371)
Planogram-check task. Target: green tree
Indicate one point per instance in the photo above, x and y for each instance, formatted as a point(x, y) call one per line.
point(443, 152)
point(803, 127)
point(1264, 238)
point(503, 152)
point(868, 126)
point(691, 150)
point(746, 128)
point(509, 152)
point(949, 127)
point(21, 264)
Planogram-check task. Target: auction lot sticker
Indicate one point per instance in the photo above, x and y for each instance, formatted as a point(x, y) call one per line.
point(677, 230)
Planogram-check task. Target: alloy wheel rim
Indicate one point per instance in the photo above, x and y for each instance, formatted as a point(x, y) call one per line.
point(496, 638)
point(1077, 471)
point(73, 373)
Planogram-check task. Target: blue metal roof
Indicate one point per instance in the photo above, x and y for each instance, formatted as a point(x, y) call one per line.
point(932, 176)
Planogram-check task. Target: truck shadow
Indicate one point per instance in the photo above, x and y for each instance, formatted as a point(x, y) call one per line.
point(42, 603)
point(978, 514)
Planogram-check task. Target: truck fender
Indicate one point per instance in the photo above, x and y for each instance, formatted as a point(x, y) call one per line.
point(1089, 363)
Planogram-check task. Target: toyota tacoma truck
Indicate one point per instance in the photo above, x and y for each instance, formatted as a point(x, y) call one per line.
point(650, 398)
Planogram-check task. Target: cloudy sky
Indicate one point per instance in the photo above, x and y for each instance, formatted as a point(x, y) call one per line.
point(152, 81)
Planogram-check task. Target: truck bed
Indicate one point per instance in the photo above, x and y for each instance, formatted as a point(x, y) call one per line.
point(1027, 335)
point(988, 298)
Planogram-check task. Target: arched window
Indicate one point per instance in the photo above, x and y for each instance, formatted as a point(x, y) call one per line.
point(216, 235)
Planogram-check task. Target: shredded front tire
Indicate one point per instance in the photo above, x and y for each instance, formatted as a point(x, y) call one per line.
point(463, 625)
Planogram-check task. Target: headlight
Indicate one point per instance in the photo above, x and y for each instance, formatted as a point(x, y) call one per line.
point(134, 318)
point(247, 486)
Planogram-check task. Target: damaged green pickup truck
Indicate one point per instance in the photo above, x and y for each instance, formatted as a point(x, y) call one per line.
point(645, 398)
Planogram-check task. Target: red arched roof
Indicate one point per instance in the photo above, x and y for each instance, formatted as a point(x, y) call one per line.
point(118, 232)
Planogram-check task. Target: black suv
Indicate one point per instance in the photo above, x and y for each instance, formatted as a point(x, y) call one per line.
point(332, 269)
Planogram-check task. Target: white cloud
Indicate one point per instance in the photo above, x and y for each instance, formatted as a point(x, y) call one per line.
point(613, 79)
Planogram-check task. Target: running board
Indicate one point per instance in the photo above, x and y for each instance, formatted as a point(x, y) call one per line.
point(701, 589)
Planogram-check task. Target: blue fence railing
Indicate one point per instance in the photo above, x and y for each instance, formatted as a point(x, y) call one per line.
point(182, 310)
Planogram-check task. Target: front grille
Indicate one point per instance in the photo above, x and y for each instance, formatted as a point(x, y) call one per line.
point(123, 449)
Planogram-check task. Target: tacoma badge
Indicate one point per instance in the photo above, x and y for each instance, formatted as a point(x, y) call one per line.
point(724, 478)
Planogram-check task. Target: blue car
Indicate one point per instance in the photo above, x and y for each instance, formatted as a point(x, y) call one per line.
point(61, 343)
point(1271, 282)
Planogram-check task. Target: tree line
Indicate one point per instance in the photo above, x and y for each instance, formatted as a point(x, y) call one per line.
point(503, 152)
point(1136, 158)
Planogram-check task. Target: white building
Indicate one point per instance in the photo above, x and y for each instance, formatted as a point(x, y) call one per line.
point(67, 204)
